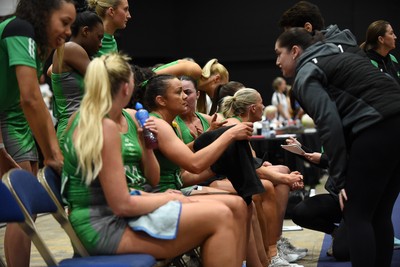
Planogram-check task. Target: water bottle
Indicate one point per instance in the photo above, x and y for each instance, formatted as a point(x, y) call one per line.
point(142, 115)
point(265, 128)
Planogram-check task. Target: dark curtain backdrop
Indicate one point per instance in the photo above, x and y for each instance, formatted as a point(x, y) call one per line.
point(241, 34)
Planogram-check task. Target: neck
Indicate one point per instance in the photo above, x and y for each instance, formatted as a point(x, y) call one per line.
point(382, 51)
point(109, 27)
point(165, 115)
point(115, 113)
point(189, 116)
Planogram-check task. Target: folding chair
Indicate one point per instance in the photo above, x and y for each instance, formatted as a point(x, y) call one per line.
point(32, 198)
point(9, 210)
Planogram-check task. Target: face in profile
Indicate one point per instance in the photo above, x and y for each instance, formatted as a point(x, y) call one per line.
point(93, 40)
point(59, 25)
point(389, 39)
point(285, 60)
point(121, 14)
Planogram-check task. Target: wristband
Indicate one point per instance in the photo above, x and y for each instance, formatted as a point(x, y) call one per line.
point(1, 145)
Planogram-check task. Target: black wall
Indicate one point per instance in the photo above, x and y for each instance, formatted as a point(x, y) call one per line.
point(241, 34)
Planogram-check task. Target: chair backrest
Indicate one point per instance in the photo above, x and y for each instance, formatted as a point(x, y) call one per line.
point(51, 181)
point(9, 211)
point(32, 199)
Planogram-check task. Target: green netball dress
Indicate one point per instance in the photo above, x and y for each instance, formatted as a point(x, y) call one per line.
point(185, 131)
point(108, 45)
point(17, 47)
point(99, 229)
point(132, 155)
point(170, 173)
point(68, 89)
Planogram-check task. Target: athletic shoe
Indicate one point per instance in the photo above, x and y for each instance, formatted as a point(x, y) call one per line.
point(396, 244)
point(278, 261)
point(285, 241)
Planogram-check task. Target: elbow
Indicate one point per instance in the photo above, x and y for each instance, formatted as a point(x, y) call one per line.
point(195, 168)
point(28, 102)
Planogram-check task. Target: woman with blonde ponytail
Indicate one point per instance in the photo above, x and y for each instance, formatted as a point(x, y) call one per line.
point(105, 215)
point(213, 75)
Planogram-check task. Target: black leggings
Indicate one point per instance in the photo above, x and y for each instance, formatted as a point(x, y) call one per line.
point(372, 186)
point(320, 213)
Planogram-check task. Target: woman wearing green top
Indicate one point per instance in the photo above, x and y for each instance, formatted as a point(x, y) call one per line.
point(26, 40)
point(67, 75)
point(101, 208)
point(115, 14)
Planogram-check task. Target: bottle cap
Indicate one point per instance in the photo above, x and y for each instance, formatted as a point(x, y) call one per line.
point(138, 106)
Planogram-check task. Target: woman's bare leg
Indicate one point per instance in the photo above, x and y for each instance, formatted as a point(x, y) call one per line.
point(207, 223)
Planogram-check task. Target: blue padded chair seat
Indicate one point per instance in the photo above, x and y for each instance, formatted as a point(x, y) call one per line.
point(128, 260)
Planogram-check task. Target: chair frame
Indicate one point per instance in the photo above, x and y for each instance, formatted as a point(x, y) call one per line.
point(28, 225)
point(61, 216)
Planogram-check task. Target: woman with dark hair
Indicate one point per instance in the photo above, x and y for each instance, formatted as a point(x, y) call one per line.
point(67, 74)
point(380, 40)
point(352, 103)
point(27, 39)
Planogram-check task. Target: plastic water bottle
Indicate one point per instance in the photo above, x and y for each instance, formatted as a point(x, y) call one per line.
point(265, 128)
point(142, 115)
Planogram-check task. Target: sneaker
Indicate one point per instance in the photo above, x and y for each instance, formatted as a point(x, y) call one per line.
point(278, 261)
point(287, 255)
point(290, 252)
point(396, 244)
point(285, 241)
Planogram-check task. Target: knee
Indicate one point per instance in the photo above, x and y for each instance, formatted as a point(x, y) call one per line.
point(283, 169)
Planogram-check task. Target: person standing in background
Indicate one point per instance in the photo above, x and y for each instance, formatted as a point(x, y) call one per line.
point(379, 41)
point(115, 14)
point(279, 100)
point(67, 74)
point(27, 39)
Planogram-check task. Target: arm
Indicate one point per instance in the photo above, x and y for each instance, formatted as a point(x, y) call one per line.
point(189, 178)
point(75, 57)
point(113, 181)
point(150, 166)
point(38, 116)
point(316, 102)
point(181, 67)
point(175, 150)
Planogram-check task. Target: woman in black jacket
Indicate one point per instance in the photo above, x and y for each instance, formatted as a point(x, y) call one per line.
point(355, 108)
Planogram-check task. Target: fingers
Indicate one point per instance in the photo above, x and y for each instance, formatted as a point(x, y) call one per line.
point(214, 117)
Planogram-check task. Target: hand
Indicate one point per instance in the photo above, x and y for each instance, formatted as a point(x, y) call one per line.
point(342, 198)
point(6, 162)
point(151, 126)
point(56, 165)
point(242, 131)
point(295, 180)
point(297, 186)
point(216, 124)
point(266, 164)
point(292, 140)
point(314, 157)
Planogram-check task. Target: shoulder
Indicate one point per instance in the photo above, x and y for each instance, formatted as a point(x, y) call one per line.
point(18, 27)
